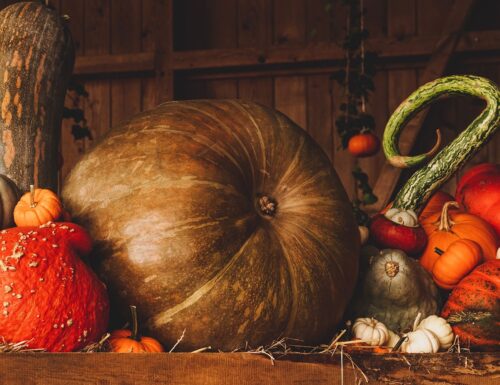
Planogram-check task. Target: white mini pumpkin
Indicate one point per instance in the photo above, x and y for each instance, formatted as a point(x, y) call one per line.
point(420, 341)
point(393, 339)
point(371, 331)
point(440, 328)
point(402, 217)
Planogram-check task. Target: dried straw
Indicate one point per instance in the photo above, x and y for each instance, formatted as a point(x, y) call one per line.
point(17, 347)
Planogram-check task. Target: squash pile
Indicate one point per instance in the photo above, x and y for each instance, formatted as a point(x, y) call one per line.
point(454, 240)
point(50, 297)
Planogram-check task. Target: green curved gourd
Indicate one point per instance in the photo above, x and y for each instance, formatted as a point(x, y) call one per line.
point(429, 178)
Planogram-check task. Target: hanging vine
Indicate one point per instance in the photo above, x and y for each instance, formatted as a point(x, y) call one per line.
point(75, 93)
point(355, 125)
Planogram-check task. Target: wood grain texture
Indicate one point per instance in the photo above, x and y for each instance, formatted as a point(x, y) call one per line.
point(246, 369)
point(290, 98)
point(289, 22)
point(378, 107)
point(259, 90)
point(36, 57)
point(254, 23)
point(319, 112)
point(125, 38)
point(342, 159)
point(97, 41)
point(395, 51)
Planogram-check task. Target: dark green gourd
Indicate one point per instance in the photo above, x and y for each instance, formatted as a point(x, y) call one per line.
point(430, 177)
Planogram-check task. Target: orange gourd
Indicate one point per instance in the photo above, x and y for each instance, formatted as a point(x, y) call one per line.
point(461, 257)
point(434, 205)
point(37, 207)
point(363, 144)
point(129, 341)
point(445, 228)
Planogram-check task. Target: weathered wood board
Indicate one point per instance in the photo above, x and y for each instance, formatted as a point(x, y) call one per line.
point(246, 369)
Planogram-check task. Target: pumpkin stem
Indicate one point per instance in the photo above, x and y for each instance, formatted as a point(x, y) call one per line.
point(438, 251)
point(399, 343)
point(135, 324)
point(417, 321)
point(391, 269)
point(445, 222)
point(32, 196)
point(267, 205)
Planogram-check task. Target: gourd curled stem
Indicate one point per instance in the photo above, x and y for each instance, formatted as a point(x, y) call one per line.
point(441, 167)
point(445, 222)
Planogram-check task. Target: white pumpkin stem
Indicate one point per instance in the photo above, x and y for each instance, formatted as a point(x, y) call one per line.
point(32, 196)
point(399, 343)
point(417, 321)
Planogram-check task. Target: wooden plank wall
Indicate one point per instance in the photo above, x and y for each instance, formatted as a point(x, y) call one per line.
point(312, 99)
point(108, 27)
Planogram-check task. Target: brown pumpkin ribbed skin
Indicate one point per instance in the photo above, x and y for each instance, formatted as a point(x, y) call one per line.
point(172, 198)
point(36, 58)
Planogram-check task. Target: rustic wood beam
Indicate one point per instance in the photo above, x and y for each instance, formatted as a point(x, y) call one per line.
point(417, 64)
point(164, 50)
point(244, 368)
point(389, 49)
point(389, 175)
point(115, 64)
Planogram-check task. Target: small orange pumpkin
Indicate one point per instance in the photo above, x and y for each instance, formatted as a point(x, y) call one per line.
point(37, 207)
point(445, 228)
point(129, 341)
point(363, 144)
point(461, 257)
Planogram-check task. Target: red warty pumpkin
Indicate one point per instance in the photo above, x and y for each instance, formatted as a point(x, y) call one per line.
point(473, 308)
point(221, 218)
point(479, 192)
point(50, 297)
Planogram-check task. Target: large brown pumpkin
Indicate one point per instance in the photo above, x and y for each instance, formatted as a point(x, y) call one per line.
point(36, 58)
point(222, 218)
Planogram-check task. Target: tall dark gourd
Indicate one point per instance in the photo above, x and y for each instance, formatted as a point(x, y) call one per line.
point(36, 59)
point(222, 218)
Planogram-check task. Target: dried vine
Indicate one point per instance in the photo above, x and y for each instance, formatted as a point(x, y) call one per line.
point(357, 80)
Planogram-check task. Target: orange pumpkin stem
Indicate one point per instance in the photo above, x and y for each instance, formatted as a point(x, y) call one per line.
point(32, 196)
point(445, 222)
point(135, 324)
